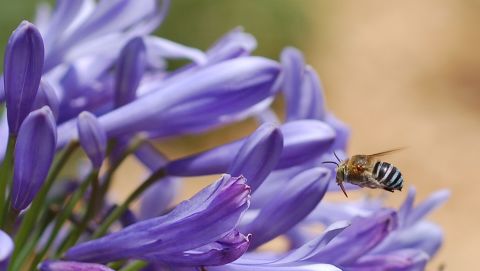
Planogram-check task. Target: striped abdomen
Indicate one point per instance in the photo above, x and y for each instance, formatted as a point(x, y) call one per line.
point(388, 175)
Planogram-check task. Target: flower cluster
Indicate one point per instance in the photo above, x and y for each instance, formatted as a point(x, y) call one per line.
point(88, 75)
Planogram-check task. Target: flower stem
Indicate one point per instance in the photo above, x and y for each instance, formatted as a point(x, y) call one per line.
point(117, 212)
point(32, 241)
point(77, 230)
point(134, 144)
point(6, 172)
point(63, 216)
point(134, 266)
point(38, 205)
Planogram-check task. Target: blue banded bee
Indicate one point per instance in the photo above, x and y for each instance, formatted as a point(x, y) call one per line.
point(368, 171)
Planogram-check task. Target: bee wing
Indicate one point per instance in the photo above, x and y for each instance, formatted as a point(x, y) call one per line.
point(386, 152)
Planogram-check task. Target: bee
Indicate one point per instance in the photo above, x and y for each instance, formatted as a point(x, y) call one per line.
point(368, 171)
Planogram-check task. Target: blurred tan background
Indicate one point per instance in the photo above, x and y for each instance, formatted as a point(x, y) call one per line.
point(400, 73)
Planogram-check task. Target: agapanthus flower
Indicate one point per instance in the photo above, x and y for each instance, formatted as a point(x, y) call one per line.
point(94, 70)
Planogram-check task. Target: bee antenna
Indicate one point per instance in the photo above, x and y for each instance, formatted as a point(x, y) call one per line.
point(337, 157)
point(330, 162)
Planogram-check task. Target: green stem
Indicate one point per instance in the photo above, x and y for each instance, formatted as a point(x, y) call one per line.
point(6, 172)
point(32, 241)
point(63, 216)
point(134, 266)
point(77, 230)
point(12, 216)
point(117, 212)
point(136, 142)
point(38, 205)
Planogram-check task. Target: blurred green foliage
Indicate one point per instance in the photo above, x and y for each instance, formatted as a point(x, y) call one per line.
point(198, 23)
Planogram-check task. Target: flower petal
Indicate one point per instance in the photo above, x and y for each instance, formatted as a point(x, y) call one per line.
point(235, 43)
point(71, 266)
point(194, 103)
point(312, 248)
point(130, 69)
point(92, 138)
point(46, 96)
point(302, 88)
point(401, 260)
point(424, 236)
point(6, 249)
point(427, 206)
point(289, 206)
point(223, 251)
point(363, 235)
point(34, 152)
point(303, 141)
point(205, 218)
point(162, 48)
point(258, 155)
point(23, 69)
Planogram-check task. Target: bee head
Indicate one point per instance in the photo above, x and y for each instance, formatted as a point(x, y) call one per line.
point(341, 172)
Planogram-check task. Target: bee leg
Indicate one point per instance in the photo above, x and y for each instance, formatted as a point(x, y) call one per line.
point(388, 189)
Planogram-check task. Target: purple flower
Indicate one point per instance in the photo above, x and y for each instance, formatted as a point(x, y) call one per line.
point(79, 29)
point(23, 69)
point(199, 231)
point(303, 141)
point(130, 69)
point(193, 104)
point(301, 87)
point(6, 249)
point(46, 96)
point(34, 152)
point(258, 155)
point(71, 266)
point(288, 206)
point(99, 58)
point(160, 195)
point(92, 138)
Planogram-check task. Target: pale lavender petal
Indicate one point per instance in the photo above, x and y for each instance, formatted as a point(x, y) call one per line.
point(3, 134)
point(407, 206)
point(205, 218)
point(158, 198)
point(223, 251)
point(327, 213)
point(306, 140)
point(112, 16)
point(258, 155)
point(288, 207)
point(302, 88)
point(160, 48)
point(401, 260)
point(71, 266)
point(46, 96)
point(34, 152)
point(294, 70)
point(23, 66)
point(6, 249)
point(195, 103)
point(235, 43)
point(64, 14)
point(424, 236)
point(358, 239)
point(130, 68)
point(342, 132)
point(92, 138)
point(303, 141)
point(434, 201)
point(150, 157)
point(313, 247)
